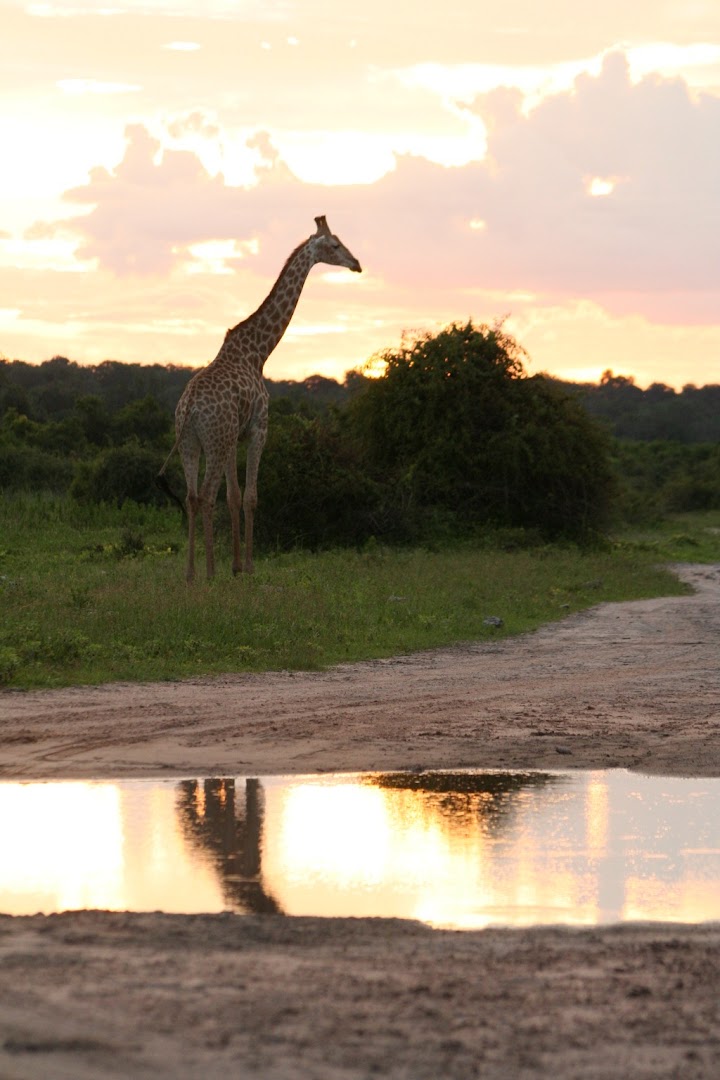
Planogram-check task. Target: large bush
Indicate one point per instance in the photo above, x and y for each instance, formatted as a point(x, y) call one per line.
point(459, 435)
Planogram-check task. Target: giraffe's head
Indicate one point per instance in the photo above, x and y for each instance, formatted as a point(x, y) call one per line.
point(328, 249)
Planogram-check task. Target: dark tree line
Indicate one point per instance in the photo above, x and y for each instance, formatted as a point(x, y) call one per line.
point(50, 391)
point(453, 439)
point(690, 415)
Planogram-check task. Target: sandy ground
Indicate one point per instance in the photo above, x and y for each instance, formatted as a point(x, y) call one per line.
point(93, 994)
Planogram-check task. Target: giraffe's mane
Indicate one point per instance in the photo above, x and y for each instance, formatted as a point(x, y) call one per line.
point(270, 295)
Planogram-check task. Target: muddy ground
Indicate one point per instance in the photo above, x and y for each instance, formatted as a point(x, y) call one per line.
point(93, 994)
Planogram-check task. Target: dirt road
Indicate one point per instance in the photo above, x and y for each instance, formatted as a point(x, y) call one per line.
point(98, 995)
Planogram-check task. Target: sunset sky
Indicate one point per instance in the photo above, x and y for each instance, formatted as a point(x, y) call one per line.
point(552, 162)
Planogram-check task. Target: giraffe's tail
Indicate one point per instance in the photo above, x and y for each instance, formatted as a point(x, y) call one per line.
point(162, 482)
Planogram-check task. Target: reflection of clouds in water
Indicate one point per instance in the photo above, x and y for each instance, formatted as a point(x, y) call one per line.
point(415, 845)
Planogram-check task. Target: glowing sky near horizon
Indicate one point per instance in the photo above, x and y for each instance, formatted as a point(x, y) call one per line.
point(554, 164)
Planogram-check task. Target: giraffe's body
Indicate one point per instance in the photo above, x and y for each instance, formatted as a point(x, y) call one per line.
point(227, 402)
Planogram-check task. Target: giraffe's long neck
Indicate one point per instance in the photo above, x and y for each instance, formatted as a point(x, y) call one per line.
point(268, 324)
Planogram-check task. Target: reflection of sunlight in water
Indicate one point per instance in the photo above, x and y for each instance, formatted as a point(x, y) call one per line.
point(60, 852)
point(82, 844)
point(570, 852)
point(161, 872)
point(346, 837)
point(350, 848)
point(596, 811)
point(513, 849)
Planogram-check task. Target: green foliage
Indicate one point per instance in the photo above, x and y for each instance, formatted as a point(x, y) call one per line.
point(99, 454)
point(52, 390)
point(661, 478)
point(693, 537)
point(314, 490)
point(9, 664)
point(118, 474)
point(144, 420)
point(94, 419)
point(452, 441)
point(63, 437)
point(459, 435)
point(27, 468)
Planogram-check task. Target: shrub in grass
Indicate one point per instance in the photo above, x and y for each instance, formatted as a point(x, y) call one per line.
point(9, 664)
point(28, 468)
point(118, 474)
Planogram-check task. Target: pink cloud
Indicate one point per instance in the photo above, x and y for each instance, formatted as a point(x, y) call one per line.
point(660, 228)
point(649, 246)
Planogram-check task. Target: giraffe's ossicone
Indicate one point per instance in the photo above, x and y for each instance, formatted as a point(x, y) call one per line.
point(227, 402)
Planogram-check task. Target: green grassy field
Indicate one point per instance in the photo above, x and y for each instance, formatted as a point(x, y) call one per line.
point(99, 595)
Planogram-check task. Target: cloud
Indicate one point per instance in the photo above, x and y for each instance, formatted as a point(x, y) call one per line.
point(143, 211)
point(256, 9)
point(147, 212)
point(96, 86)
point(195, 122)
point(646, 241)
point(658, 229)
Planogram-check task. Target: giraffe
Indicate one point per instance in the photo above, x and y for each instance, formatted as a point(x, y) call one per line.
point(227, 402)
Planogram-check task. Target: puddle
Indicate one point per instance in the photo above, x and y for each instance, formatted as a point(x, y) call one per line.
point(463, 850)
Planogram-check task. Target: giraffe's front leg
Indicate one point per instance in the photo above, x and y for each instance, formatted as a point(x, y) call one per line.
point(208, 495)
point(192, 509)
point(189, 449)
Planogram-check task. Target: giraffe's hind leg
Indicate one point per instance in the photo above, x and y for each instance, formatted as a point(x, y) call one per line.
point(234, 498)
point(254, 453)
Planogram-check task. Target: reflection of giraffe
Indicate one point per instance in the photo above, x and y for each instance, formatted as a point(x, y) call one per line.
point(227, 402)
point(211, 817)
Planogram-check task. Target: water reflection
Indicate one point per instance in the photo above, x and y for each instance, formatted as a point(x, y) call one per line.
point(464, 849)
point(230, 829)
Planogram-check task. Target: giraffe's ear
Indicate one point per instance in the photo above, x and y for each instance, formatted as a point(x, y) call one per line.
point(323, 229)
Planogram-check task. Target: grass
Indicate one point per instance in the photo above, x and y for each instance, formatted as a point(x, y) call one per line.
point(681, 538)
point(99, 595)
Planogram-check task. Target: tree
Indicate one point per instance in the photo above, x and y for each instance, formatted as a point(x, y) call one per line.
point(144, 420)
point(459, 431)
point(94, 419)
